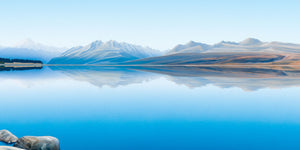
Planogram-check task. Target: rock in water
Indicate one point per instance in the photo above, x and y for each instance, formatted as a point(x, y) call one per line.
point(38, 143)
point(9, 148)
point(7, 137)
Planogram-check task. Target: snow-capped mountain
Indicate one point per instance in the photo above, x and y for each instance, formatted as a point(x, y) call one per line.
point(247, 45)
point(100, 52)
point(113, 52)
point(251, 42)
point(29, 49)
point(30, 44)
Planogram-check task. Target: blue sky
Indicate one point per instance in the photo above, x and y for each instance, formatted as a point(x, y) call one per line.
point(156, 23)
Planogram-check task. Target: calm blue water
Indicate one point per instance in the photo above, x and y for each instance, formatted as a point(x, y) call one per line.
point(136, 108)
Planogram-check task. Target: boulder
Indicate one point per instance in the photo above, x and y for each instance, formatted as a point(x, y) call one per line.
point(7, 137)
point(38, 143)
point(9, 148)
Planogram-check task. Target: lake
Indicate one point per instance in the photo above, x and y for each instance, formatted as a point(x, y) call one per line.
point(154, 107)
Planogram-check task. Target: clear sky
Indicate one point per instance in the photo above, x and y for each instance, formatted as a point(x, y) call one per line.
point(160, 24)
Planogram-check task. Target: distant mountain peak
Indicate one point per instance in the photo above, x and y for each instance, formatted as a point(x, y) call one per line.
point(251, 41)
point(192, 43)
point(28, 43)
point(29, 49)
point(32, 45)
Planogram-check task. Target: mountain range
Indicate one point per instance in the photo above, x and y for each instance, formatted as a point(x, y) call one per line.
point(248, 51)
point(247, 45)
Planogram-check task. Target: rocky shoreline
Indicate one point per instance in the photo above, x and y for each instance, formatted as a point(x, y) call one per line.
point(28, 142)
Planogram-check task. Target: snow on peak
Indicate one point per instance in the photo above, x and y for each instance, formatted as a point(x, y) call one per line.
point(29, 44)
point(32, 45)
point(251, 41)
point(110, 47)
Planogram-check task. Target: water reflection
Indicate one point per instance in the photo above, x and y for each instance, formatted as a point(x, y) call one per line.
point(150, 109)
point(244, 77)
point(247, 78)
point(19, 68)
point(105, 76)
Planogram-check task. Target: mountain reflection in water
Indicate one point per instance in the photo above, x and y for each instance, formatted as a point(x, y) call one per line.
point(246, 77)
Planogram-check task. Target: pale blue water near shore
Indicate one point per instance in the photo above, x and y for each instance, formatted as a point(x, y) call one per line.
point(138, 108)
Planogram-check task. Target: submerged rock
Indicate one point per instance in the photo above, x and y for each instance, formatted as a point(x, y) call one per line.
point(7, 137)
point(38, 143)
point(9, 148)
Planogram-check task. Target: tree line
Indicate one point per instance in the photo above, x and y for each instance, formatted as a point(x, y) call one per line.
point(8, 60)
